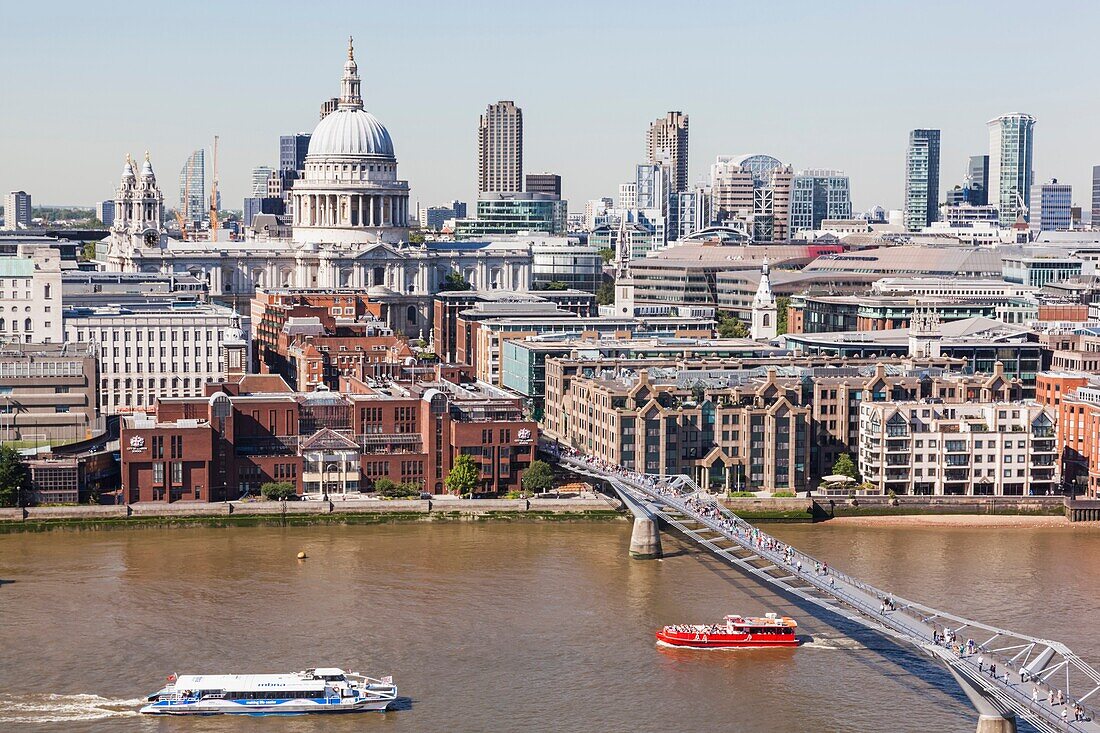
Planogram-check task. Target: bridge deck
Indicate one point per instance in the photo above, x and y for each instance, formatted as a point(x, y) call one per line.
point(1030, 672)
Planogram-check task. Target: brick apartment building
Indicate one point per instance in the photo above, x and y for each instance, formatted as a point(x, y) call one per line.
point(1075, 398)
point(761, 426)
point(257, 429)
point(313, 337)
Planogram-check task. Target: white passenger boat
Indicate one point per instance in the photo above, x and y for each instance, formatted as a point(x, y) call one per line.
point(321, 690)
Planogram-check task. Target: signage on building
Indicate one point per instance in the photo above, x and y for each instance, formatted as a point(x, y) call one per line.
point(524, 436)
point(137, 444)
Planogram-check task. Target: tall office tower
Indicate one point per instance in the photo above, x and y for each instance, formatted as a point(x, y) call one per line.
point(193, 188)
point(781, 203)
point(628, 195)
point(1050, 206)
point(817, 195)
point(667, 143)
point(329, 106)
point(500, 148)
point(548, 183)
point(652, 186)
point(977, 179)
point(261, 174)
point(1011, 142)
point(922, 179)
point(292, 151)
point(105, 212)
point(17, 210)
point(1096, 196)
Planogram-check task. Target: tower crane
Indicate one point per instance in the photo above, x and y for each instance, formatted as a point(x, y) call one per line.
point(214, 196)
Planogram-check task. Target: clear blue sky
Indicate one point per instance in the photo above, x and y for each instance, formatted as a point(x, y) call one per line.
point(819, 84)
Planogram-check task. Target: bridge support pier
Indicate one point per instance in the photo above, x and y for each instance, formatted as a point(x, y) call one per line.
point(996, 724)
point(992, 718)
point(645, 539)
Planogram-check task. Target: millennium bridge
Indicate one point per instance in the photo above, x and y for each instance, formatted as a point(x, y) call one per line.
point(1037, 680)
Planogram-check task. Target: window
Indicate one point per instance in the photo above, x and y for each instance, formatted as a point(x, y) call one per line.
point(177, 473)
point(158, 473)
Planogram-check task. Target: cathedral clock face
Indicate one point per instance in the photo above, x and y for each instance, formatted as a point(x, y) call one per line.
point(151, 238)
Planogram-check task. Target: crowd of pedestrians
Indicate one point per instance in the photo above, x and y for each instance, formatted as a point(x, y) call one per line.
point(707, 508)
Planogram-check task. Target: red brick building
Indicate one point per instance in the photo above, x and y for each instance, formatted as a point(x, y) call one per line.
point(245, 433)
point(313, 337)
point(1075, 397)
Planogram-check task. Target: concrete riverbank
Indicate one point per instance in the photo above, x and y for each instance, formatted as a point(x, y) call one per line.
point(902, 510)
point(304, 512)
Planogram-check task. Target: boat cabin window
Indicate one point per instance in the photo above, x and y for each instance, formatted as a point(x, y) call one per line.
point(331, 677)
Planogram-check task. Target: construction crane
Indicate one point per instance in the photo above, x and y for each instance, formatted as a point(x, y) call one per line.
point(214, 196)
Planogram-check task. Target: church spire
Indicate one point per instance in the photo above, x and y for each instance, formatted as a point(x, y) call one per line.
point(349, 84)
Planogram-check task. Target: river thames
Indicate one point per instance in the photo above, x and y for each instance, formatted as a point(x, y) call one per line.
point(505, 627)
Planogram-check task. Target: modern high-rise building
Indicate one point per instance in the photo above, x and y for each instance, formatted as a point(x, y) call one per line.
point(652, 186)
point(817, 195)
point(543, 183)
point(292, 151)
point(500, 149)
point(105, 212)
point(193, 188)
point(1011, 142)
point(1050, 206)
point(977, 179)
point(922, 179)
point(260, 176)
point(17, 210)
point(1095, 196)
point(667, 143)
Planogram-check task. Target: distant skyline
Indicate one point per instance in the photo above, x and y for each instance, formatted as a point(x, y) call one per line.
point(816, 85)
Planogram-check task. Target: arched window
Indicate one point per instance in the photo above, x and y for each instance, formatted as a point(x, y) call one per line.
point(3, 324)
point(767, 320)
point(46, 291)
point(27, 325)
point(411, 315)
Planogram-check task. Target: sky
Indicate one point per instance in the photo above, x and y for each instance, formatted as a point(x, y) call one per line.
point(817, 84)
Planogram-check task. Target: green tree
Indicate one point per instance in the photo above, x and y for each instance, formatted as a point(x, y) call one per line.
point(278, 490)
point(416, 237)
point(845, 466)
point(538, 478)
point(88, 251)
point(464, 476)
point(605, 294)
point(730, 326)
point(392, 490)
point(781, 304)
point(455, 282)
point(555, 285)
point(15, 477)
point(608, 254)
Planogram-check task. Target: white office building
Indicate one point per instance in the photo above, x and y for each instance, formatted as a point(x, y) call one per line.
point(151, 349)
point(17, 210)
point(30, 296)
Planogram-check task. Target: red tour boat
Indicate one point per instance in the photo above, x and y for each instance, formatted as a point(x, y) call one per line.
point(733, 632)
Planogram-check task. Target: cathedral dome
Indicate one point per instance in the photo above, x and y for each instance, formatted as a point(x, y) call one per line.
point(350, 130)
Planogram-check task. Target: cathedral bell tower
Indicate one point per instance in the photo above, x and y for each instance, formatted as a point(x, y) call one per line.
point(139, 205)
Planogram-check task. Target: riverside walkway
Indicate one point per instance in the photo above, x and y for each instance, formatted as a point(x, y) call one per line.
point(1004, 674)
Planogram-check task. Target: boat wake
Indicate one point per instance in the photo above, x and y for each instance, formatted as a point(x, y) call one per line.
point(836, 643)
point(53, 708)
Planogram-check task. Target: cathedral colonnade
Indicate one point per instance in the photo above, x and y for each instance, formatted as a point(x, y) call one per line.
point(351, 210)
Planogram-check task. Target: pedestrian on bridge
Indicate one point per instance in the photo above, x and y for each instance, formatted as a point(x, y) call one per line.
point(981, 661)
point(1034, 695)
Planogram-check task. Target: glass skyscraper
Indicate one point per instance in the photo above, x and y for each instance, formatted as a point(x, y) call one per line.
point(922, 179)
point(1011, 142)
point(193, 188)
point(817, 195)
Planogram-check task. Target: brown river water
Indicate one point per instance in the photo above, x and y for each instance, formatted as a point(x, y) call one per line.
point(505, 627)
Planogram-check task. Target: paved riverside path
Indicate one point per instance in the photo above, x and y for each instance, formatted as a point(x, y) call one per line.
point(1029, 671)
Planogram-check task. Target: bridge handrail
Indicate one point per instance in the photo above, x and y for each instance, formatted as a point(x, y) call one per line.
point(741, 532)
